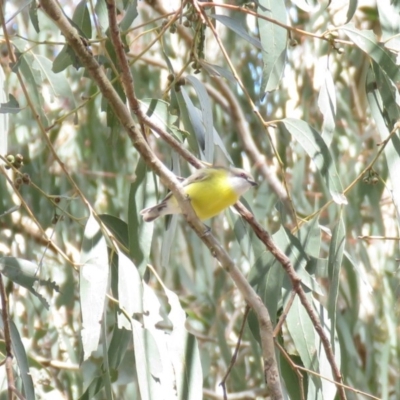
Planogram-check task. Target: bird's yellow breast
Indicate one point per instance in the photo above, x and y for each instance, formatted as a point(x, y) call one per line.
point(210, 196)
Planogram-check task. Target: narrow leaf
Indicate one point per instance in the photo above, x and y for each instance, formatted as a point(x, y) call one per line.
point(351, 10)
point(94, 272)
point(366, 41)
point(129, 290)
point(22, 360)
point(236, 27)
point(314, 145)
point(24, 273)
point(11, 107)
point(335, 258)
point(32, 77)
point(206, 116)
point(327, 105)
point(302, 333)
point(118, 228)
point(3, 118)
point(130, 15)
point(58, 83)
point(183, 352)
point(140, 233)
point(274, 42)
point(191, 121)
point(62, 60)
point(383, 100)
point(81, 18)
point(33, 16)
point(215, 70)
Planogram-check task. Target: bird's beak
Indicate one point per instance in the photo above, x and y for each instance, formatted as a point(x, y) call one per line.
point(252, 182)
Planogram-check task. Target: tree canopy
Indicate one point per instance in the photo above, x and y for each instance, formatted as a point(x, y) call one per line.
point(290, 294)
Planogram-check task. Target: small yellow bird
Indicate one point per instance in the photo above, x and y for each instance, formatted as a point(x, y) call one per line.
point(210, 191)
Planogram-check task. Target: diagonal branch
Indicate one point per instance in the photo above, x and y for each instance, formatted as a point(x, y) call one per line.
point(168, 178)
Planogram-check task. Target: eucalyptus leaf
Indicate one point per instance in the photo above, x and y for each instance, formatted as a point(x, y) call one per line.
point(366, 41)
point(236, 27)
point(274, 42)
point(315, 146)
point(94, 273)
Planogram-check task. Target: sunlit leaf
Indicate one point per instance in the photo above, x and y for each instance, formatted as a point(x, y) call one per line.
point(351, 10)
point(366, 41)
point(24, 273)
point(327, 105)
point(94, 273)
point(129, 290)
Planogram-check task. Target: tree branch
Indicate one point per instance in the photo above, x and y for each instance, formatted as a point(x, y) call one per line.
point(169, 179)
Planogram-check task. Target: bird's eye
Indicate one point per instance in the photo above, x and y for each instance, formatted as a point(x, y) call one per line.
point(243, 175)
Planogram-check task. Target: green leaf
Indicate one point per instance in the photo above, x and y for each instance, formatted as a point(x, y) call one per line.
point(183, 352)
point(24, 273)
point(3, 118)
point(236, 27)
point(389, 19)
point(152, 363)
point(327, 105)
point(274, 42)
point(121, 339)
point(140, 232)
point(384, 102)
point(19, 353)
point(93, 273)
point(295, 250)
point(216, 70)
point(58, 83)
point(130, 15)
point(158, 111)
point(191, 121)
point(62, 60)
point(101, 12)
point(33, 16)
point(206, 116)
point(301, 331)
point(314, 145)
point(335, 258)
point(81, 18)
point(351, 10)
point(129, 290)
point(328, 388)
point(32, 77)
point(117, 227)
point(266, 276)
point(11, 107)
point(366, 41)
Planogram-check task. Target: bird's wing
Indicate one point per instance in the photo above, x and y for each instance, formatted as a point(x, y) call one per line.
point(198, 176)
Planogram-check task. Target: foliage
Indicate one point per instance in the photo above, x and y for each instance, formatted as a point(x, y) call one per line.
point(302, 94)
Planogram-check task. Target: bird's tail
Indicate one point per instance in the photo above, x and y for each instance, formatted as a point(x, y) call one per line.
point(151, 213)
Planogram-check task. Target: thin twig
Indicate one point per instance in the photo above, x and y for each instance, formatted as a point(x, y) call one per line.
point(295, 280)
point(7, 336)
point(235, 353)
point(168, 178)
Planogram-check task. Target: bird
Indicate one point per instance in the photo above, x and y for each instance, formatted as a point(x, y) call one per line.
point(210, 191)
